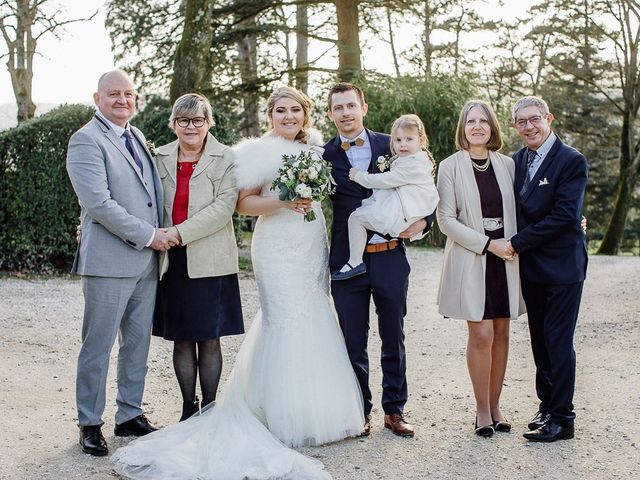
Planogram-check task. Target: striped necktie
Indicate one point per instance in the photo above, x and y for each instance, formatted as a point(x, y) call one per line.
point(128, 142)
point(531, 156)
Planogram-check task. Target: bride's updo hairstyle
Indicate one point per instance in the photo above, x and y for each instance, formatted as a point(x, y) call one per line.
point(297, 96)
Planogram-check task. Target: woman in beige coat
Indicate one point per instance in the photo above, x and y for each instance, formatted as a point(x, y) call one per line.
point(480, 281)
point(198, 294)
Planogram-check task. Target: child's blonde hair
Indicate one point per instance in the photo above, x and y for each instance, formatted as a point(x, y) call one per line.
point(411, 122)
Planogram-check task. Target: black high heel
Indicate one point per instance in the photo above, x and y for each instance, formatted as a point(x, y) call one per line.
point(189, 409)
point(485, 430)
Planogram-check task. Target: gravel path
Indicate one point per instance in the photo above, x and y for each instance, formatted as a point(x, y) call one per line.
point(39, 343)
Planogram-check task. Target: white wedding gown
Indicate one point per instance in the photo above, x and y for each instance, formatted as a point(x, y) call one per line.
point(291, 385)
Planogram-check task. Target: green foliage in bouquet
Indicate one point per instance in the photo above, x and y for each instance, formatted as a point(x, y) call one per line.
point(305, 175)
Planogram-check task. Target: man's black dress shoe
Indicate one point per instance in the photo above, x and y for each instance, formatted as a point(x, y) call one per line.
point(549, 432)
point(539, 420)
point(92, 441)
point(137, 427)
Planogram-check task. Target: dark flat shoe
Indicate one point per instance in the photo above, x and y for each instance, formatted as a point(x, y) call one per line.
point(485, 430)
point(501, 426)
point(352, 272)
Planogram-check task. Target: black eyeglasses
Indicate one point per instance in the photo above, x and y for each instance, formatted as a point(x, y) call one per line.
point(197, 121)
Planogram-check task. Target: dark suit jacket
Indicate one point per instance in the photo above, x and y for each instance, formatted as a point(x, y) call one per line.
point(349, 194)
point(551, 244)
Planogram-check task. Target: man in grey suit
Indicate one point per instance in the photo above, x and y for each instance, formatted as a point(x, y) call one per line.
point(120, 196)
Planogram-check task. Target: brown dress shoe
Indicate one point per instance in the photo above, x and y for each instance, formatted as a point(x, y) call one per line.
point(397, 425)
point(367, 426)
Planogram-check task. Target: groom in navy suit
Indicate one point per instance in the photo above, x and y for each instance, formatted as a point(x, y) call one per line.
point(387, 276)
point(550, 182)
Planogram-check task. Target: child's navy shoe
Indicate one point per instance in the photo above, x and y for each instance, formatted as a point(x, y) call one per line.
point(352, 272)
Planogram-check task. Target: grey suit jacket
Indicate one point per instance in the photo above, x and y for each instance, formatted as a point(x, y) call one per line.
point(120, 207)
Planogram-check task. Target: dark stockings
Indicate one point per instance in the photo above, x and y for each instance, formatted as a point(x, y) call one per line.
point(187, 360)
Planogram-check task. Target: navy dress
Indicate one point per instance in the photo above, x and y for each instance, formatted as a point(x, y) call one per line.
point(496, 303)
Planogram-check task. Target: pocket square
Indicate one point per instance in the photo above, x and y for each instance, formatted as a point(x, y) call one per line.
point(544, 181)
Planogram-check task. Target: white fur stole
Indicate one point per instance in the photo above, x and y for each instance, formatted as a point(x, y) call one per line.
point(257, 160)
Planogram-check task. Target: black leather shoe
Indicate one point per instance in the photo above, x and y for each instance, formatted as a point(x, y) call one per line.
point(92, 441)
point(136, 427)
point(539, 420)
point(549, 432)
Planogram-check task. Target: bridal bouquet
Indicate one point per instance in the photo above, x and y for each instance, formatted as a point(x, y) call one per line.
point(305, 175)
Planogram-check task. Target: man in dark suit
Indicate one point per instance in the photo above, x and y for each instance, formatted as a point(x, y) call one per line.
point(550, 182)
point(120, 195)
point(387, 276)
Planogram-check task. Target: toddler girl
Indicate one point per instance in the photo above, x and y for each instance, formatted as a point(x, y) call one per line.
point(403, 193)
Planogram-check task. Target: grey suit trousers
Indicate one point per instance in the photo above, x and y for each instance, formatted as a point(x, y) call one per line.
point(123, 307)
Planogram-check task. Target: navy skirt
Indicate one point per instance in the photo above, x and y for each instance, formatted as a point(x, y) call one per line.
point(196, 309)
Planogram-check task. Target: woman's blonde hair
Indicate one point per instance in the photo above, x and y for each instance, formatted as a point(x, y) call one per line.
point(411, 122)
point(495, 140)
point(297, 96)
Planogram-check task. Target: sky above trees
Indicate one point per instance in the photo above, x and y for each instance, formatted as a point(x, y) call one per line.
point(66, 69)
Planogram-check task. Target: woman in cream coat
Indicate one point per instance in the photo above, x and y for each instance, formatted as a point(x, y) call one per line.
point(198, 294)
point(480, 281)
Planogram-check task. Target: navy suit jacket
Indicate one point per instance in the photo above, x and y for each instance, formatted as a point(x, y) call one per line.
point(550, 241)
point(348, 195)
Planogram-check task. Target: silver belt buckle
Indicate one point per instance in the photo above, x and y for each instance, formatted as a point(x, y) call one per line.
point(492, 224)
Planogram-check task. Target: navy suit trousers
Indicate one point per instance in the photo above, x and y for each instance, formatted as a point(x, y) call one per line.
point(553, 312)
point(387, 282)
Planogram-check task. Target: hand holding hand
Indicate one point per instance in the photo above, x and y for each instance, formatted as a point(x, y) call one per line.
point(174, 234)
point(162, 241)
point(501, 248)
point(352, 173)
point(414, 229)
point(300, 205)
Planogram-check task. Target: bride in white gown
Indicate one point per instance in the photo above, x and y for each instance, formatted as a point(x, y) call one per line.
point(292, 384)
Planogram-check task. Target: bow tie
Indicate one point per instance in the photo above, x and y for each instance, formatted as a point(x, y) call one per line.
point(358, 142)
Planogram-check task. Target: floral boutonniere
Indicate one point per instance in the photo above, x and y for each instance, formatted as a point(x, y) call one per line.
point(151, 147)
point(384, 162)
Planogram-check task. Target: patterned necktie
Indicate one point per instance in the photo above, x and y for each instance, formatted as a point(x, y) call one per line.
point(531, 156)
point(128, 142)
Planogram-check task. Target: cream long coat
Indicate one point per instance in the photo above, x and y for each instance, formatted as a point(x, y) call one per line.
point(208, 230)
point(462, 282)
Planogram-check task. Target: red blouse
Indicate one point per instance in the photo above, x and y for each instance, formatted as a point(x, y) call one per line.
point(180, 210)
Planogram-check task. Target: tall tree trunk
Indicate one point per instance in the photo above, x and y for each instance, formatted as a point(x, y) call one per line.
point(248, 59)
point(302, 47)
point(20, 57)
point(192, 65)
point(627, 180)
point(392, 42)
point(349, 64)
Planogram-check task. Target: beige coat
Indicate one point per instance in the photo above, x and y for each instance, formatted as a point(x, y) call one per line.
point(208, 231)
point(462, 282)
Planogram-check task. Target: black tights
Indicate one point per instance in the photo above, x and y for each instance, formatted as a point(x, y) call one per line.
point(187, 360)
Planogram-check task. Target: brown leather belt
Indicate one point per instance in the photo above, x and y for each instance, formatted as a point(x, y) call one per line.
point(381, 247)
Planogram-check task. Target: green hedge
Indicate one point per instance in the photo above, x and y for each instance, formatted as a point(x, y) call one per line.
point(38, 208)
